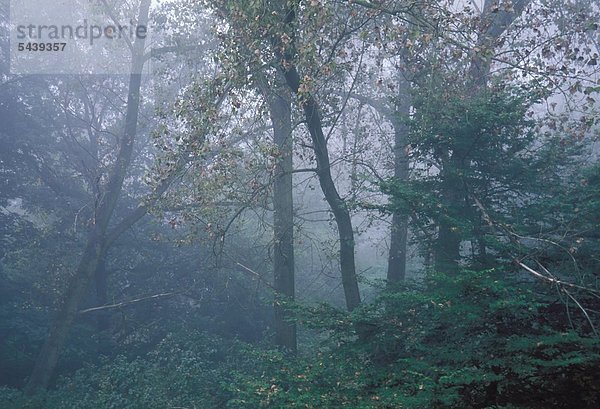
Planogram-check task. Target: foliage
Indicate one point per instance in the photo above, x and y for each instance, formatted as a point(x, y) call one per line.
point(488, 338)
point(180, 372)
point(480, 340)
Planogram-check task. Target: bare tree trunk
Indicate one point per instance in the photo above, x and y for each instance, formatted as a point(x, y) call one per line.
point(399, 231)
point(96, 247)
point(447, 250)
point(283, 206)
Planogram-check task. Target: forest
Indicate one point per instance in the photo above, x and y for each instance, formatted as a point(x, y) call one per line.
point(301, 204)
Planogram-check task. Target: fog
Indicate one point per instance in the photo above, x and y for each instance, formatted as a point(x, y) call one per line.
point(320, 203)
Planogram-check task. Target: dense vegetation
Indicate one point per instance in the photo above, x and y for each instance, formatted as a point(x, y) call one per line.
point(309, 204)
point(475, 341)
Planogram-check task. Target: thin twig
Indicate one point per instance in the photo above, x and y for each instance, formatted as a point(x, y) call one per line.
point(589, 320)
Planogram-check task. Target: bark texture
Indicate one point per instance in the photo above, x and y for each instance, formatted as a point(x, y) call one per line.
point(283, 209)
point(399, 231)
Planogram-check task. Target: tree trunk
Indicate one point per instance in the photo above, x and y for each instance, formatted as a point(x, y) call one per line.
point(48, 357)
point(447, 248)
point(336, 203)
point(494, 24)
point(95, 249)
point(283, 209)
point(399, 231)
point(101, 281)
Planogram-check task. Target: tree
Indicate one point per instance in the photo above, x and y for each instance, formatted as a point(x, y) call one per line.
point(274, 36)
point(96, 245)
point(280, 110)
point(315, 127)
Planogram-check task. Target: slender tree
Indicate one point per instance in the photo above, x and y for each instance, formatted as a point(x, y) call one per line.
point(96, 246)
point(314, 124)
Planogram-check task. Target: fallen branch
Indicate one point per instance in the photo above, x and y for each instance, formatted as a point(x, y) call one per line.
point(554, 280)
point(255, 274)
point(548, 277)
point(127, 303)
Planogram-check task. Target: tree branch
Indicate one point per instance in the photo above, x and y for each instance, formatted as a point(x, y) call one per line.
point(127, 303)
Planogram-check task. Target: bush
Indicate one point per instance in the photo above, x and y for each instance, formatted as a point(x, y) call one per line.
point(476, 340)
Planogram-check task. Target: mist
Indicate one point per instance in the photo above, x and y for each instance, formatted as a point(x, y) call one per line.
point(281, 204)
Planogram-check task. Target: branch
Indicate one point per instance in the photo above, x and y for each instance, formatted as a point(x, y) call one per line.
point(255, 274)
point(304, 170)
point(170, 49)
point(589, 320)
point(127, 303)
point(554, 280)
point(113, 17)
point(378, 104)
point(164, 185)
point(549, 278)
point(513, 238)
